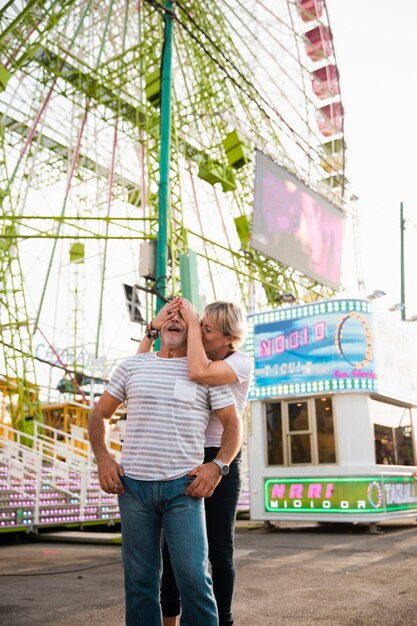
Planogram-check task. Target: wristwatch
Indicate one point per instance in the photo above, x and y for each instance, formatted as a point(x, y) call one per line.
point(223, 467)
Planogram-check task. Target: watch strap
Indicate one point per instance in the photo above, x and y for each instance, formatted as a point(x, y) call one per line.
point(223, 467)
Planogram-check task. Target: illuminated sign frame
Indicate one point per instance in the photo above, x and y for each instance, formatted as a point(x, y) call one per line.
point(345, 495)
point(325, 347)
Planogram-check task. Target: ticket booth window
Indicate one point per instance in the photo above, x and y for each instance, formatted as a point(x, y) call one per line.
point(393, 434)
point(300, 432)
point(325, 431)
point(274, 434)
point(384, 445)
point(404, 445)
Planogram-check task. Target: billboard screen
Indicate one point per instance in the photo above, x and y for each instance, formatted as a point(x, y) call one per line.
point(294, 225)
point(314, 348)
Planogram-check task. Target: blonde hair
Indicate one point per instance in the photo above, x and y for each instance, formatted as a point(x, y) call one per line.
point(228, 318)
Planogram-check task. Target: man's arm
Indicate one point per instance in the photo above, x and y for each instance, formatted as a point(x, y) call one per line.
point(232, 434)
point(208, 474)
point(109, 471)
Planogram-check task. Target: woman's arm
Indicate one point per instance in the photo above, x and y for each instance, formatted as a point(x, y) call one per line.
point(145, 345)
point(200, 369)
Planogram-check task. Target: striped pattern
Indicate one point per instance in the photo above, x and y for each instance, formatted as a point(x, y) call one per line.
point(167, 415)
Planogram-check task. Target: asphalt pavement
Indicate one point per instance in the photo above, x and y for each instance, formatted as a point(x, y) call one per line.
point(295, 574)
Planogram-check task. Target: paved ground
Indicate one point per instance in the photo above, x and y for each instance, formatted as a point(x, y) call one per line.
point(296, 575)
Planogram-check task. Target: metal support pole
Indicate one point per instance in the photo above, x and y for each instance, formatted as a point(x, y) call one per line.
point(164, 160)
point(402, 229)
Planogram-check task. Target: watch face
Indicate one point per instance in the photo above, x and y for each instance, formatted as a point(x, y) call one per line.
point(223, 467)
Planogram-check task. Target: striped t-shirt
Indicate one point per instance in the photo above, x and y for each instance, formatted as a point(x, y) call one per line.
point(167, 415)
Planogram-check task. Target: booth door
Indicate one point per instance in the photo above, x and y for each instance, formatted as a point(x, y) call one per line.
point(300, 432)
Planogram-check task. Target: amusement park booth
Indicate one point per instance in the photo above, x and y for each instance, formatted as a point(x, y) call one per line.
point(332, 424)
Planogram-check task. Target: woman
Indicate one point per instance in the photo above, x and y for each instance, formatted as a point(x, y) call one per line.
point(217, 338)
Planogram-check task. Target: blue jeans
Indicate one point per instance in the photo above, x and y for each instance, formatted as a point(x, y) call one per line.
point(220, 512)
point(145, 508)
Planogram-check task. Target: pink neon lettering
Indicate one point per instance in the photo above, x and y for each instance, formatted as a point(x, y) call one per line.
point(319, 331)
point(279, 344)
point(294, 340)
point(278, 491)
point(329, 490)
point(266, 348)
point(314, 490)
point(296, 490)
point(357, 373)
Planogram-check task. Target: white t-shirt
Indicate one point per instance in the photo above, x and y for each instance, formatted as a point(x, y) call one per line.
point(167, 415)
point(242, 365)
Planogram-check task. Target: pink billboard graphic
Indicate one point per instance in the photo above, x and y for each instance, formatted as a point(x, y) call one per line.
point(294, 225)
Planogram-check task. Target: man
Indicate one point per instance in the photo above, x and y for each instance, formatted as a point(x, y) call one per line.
point(167, 415)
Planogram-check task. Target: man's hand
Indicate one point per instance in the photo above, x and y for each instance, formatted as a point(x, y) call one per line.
point(207, 477)
point(109, 473)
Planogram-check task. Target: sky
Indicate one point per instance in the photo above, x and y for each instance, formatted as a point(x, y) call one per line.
point(376, 55)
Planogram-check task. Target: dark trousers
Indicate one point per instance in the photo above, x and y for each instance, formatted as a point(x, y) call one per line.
point(220, 511)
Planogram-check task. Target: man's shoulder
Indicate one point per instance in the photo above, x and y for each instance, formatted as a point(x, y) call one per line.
point(218, 389)
point(170, 366)
point(133, 361)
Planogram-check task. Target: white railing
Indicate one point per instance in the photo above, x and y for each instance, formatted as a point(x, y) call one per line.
point(50, 478)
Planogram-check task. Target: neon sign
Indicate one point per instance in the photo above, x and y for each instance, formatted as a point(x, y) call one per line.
point(359, 494)
point(293, 340)
point(324, 347)
point(341, 326)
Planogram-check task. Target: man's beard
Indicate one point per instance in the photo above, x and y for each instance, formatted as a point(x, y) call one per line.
point(176, 339)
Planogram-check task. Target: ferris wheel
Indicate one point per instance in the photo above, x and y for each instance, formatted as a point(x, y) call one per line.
point(80, 136)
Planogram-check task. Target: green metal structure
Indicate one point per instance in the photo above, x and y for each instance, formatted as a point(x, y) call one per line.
point(127, 122)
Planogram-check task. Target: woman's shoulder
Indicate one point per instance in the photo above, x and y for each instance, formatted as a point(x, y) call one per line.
point(240, 359)
point(239, 355)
